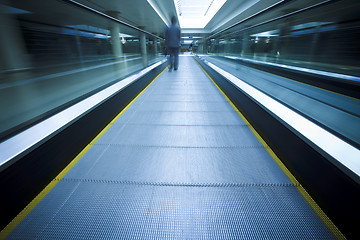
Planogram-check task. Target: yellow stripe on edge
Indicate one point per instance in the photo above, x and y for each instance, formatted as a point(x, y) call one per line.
point(13, 224)
point(324, 218)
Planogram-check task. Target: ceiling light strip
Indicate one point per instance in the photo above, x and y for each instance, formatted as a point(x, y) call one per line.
point(208, 8)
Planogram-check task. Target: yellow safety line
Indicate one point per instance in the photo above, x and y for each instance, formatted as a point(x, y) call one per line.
point(324, 218)
point(13, 224)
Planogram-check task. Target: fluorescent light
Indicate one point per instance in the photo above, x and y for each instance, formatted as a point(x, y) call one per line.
point(191, 37)
point(197, 15)
point(273, 33)
point(123, 35)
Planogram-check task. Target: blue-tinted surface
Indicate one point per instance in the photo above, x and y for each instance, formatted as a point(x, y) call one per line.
point(175, 166)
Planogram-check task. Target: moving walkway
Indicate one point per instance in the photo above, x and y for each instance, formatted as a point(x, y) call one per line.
point(180, 161)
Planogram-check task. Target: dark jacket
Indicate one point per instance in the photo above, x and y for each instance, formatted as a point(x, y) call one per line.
point(172, 36)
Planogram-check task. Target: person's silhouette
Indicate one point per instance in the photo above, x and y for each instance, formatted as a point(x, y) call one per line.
point(172, 42)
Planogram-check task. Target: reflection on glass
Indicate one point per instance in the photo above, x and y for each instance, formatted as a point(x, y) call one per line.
point(322, 38)
point(49, 61)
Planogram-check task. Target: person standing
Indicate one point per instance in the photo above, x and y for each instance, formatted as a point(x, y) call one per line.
point(172, 42)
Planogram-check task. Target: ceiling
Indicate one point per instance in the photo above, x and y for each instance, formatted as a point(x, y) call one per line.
point(196, 14)
point(141, 14)
point(138, 13)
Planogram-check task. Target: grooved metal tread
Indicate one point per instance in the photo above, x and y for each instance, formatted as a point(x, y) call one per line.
point(178, 164)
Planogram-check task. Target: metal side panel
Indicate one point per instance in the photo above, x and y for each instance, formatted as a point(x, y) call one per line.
point(178, 164)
